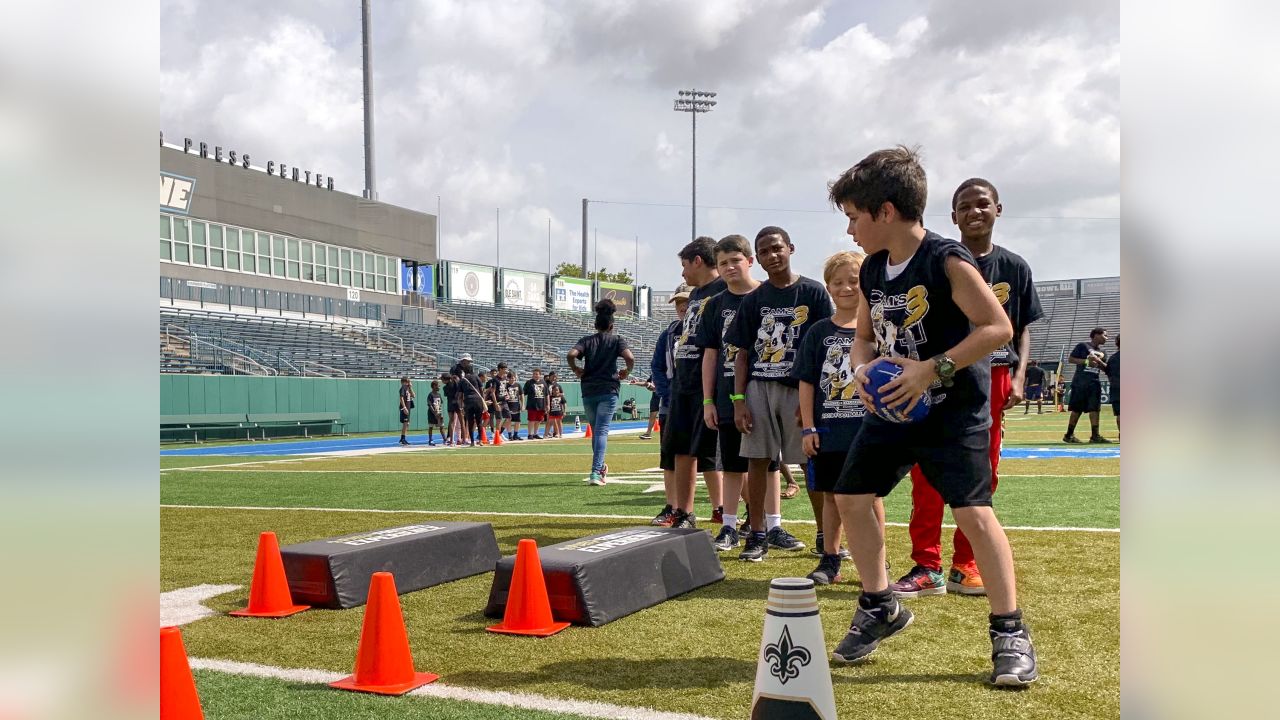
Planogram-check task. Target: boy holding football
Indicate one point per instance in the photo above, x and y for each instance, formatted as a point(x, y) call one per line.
point(926, 309)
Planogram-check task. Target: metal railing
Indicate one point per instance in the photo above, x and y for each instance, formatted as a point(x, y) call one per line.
point(311, 368)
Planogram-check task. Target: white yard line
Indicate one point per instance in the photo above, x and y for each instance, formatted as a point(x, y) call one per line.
point(186, 605)
point(612, 478)
point(566, 515)
point(442, 691)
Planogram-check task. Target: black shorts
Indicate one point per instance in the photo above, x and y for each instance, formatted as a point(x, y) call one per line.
point(667, 460)
point(475, 414)
point(454, 409)
point(1115, 406)
point(959, 468)
point(688, 434)
point(1085, 398)
point(404, 415)
point(555, 414)
point(434, 418)
point(730, 446)
point(654, 401)
point(824, 470)
point(1034, 392)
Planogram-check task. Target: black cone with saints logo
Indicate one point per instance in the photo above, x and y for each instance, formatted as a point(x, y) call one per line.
point(793, 679)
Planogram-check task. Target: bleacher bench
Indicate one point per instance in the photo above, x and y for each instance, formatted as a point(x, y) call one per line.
point(300, 421)
point(193, 425)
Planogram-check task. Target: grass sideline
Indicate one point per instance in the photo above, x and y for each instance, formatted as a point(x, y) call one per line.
point(694, 654)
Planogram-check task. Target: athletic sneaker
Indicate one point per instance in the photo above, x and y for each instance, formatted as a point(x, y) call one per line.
point(604, 471)
point(728, 539)
point(780, 539)
point(664, 518)
point(1071, 439)
point(646, 436)
point(717, 516)
point(965, 580)
point(1013, 656)
point(596, 479)
point(920, 581)
point(1099, 440)
point(869, 628)
point(757, 548)
point(744, 527)
point(827, 572)
point(683, 519)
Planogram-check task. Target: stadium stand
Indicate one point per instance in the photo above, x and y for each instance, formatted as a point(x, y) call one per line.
point(1068, 321)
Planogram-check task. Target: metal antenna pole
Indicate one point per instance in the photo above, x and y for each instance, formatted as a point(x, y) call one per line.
point(584, 237)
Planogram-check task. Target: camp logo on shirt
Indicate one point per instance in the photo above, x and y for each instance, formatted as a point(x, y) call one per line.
point(776, 335)
point(730, 350)
point(895, 319)
point(684, 350)
point(837, 377)
point(1001, 289)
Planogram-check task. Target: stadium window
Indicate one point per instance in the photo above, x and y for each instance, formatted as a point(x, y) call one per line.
point(233, 239)
point(308, 271)
point(382, 265)
point(215, 246)
point(293, 248)
point(264, 254)
point(198, 243)
point(166, 227)
point(166, 249)
point(368, 262)
point(357, 262)
point(233, 258)
point(307, 252)
point(321, 275)
point(382, 283)
point(368, 281)
point(181, 252)
point(277, 247)
point(249, 264)
point(293, 270)
point(345, 278)
point(277, 268)
point(332, 253)
point(181, 231)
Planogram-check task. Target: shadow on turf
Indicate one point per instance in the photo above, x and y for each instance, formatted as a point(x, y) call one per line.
point(840, 675)
point(622, 674)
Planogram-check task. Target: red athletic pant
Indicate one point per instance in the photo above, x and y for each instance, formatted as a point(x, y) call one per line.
point(926, 503)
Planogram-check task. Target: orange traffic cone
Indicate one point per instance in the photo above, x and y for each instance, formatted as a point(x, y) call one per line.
point(178, 697)
point(588, 429)
point(497, 437)
point(384, 664)
point(657, 426)
point(484, 437)
point(269, 592)
point(528, 607)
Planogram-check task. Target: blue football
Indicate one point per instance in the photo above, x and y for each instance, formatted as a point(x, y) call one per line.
point(880, 372)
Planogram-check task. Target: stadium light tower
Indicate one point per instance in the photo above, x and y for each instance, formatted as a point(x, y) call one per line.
point(693, 102)
point(370, 189)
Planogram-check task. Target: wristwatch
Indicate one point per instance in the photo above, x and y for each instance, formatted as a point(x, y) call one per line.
point(945, 367)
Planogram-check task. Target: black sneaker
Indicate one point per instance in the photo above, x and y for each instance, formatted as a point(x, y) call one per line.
point(744, 527)
point(663, 518)
point(646, 436)
point(1099, 440)
point(1071, 439)
point(869, 628)
point(1013, 657)
point(780, 539)
point(827, 572)
point(685, 520)
point(817, 546)
point(757, 548)
point(728, 539)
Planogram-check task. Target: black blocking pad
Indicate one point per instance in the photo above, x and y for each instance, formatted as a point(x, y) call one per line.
point(335, 573)
point(600, 578)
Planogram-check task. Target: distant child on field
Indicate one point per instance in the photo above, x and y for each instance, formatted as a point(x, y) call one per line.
point(435, 414)
point(555, 411)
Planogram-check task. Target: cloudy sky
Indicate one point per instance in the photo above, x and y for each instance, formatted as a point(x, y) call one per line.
point(530, 106)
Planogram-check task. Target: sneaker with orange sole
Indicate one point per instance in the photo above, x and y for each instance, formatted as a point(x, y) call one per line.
point(965, 580)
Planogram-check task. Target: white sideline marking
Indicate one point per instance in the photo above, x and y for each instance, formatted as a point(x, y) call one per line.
point(570, 516)
point(612, 478)
point(186, 605)
point(518, 700)
point(239, 464)
point(656, 487)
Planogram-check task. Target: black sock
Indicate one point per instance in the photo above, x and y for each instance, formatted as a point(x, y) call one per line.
point(870, 600)
point(1007, 622)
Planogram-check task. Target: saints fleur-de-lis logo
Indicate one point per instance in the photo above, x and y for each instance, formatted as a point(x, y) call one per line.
point(785, 658)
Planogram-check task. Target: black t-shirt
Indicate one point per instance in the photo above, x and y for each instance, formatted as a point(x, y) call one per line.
point(511, 395)
point(1035, 376)
point(1009, 277)
point(771, 322)
point(600, 353)
point(687, 378)
point(468, 385)
point(555, 404)
point(535, 394)
point(451, 393)
point(1087, 374)
point(433, 402)
point(406, 397)
point(1113, 375)
point(823, 361)
point(717, 316)
point(913, 316)
point(495, 385)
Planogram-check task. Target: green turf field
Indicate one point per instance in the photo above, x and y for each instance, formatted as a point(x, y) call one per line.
point(694, 654)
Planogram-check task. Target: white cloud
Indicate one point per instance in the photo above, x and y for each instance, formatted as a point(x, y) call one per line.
point(532, 106)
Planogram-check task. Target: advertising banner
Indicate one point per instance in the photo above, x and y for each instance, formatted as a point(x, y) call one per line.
point(624, 296)
point(572, 294)
point(642, 302)
point(472, 283)
point(1056, 289)
point(426, 279)
point(524, 289)
point(1100, 286)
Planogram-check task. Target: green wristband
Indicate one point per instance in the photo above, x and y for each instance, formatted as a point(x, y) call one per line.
point(736, 398)
point(708, 401)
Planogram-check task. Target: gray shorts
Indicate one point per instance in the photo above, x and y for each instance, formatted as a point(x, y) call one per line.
point(775, 434)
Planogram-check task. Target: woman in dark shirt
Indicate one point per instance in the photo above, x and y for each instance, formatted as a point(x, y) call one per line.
point(600, 378)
